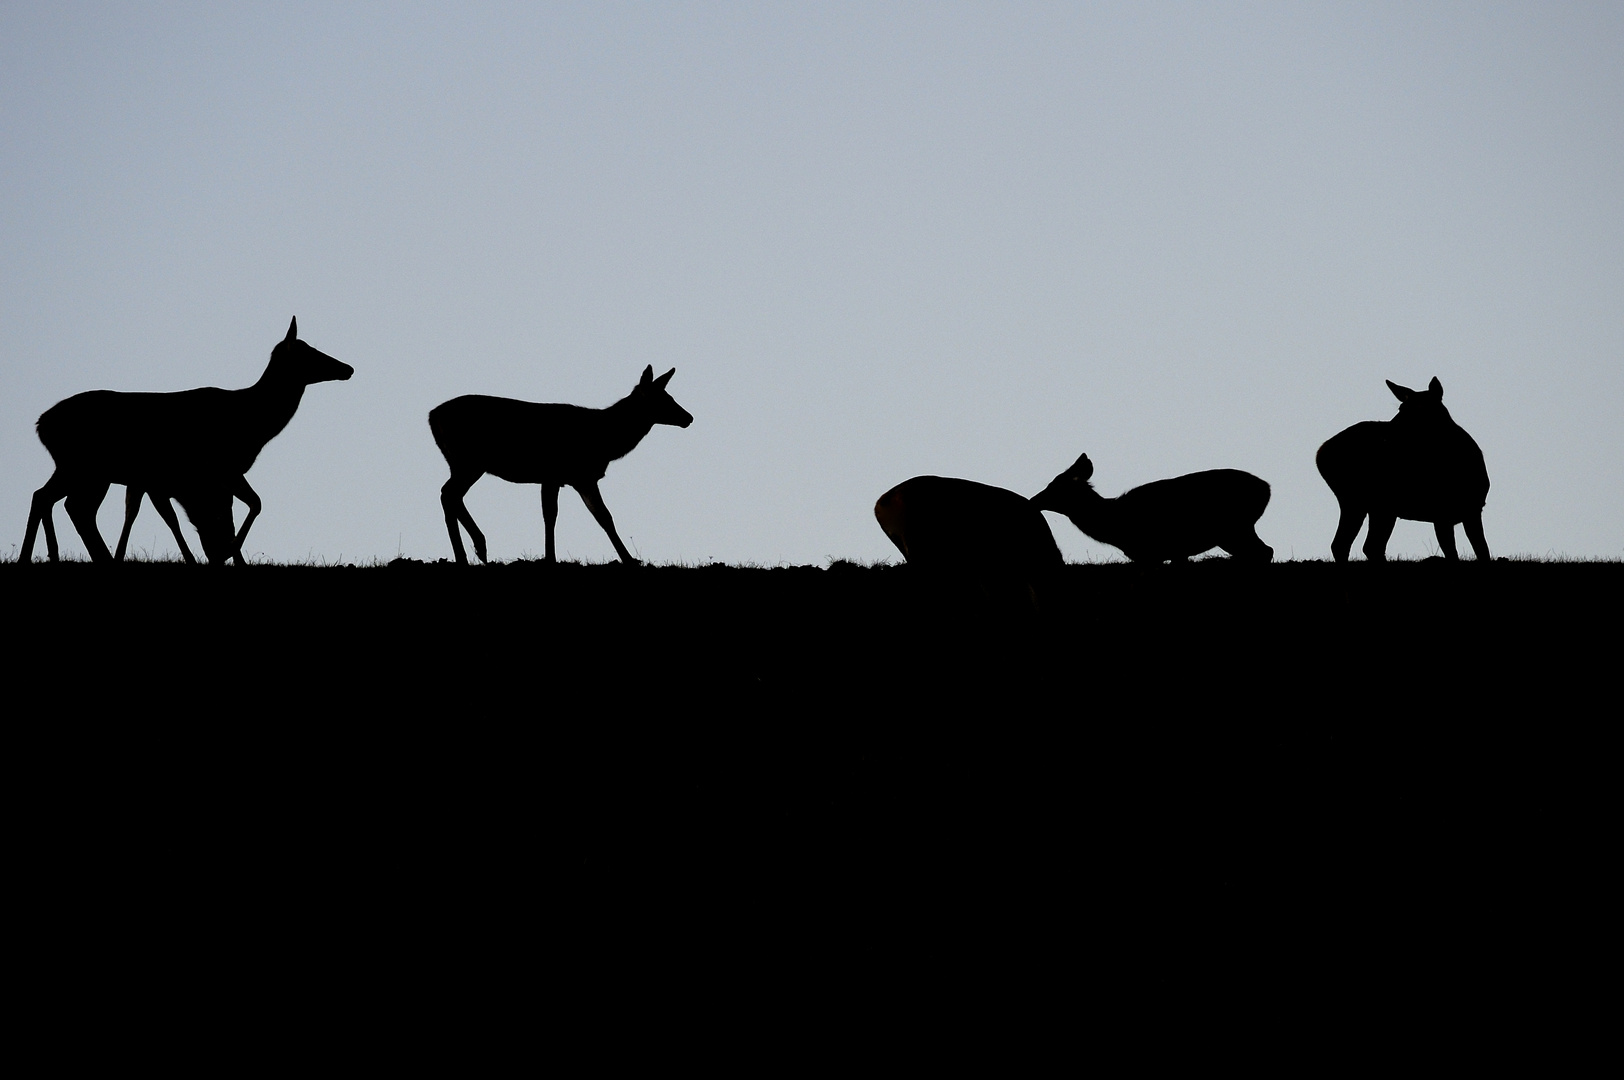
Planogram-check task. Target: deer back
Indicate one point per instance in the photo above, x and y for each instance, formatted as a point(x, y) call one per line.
point(1420, 465)
point(946, 522)
point(528, 442)
point(1188, 514)
point(152, 439)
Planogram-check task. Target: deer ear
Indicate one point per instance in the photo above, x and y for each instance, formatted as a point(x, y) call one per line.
point(648, 375)
point(659, 384)
point(1403, 393)
point(293, 330)
point(1436, 387)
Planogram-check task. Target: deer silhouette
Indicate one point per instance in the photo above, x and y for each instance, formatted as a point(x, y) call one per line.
point(527, 442)
point(1420, 466)
point(195, 445)
point(1166, 519)
point(946, 523)
point(160, 503)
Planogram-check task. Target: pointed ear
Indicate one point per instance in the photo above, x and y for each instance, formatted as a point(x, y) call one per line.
point(648, 375)
point(1403, 393)
point(1082, 469)
point(1436, 387)
point(293, 330)
point(659, 384)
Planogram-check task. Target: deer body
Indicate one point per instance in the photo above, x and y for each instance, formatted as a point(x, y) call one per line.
point(1420, 466)
point(947, 523)
point(527, 442)
point(1167, 519)
point(194, 445)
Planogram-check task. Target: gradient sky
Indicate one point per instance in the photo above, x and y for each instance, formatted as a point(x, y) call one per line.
point(875, 241)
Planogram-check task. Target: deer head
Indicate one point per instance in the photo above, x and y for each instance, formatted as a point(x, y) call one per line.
point(651, 396)
point(1068, 489)
point(296, 363)
point(1420, 406)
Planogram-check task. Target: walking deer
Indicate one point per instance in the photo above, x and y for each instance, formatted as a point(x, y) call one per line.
point(946, 523)
point(1166, 519)
point(195, 445)
point(1420, 466)
point(526, 442)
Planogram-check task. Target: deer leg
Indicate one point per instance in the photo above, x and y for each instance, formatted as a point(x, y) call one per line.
point(1474, 532)
point(211, 514)
point(1445, 532)
point(1381, 528)
point(549, 515)
point(132, 507)
point(166, 511)
point(1346, 529)
point(455, 512)
point(251, 498)
point(594, 503)
point(1249, 547)
point(39, 513)
point(81, 506)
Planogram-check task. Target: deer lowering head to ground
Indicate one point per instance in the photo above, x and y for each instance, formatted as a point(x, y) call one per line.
point(527, 442)
point(195, 446)
point(943, 523)
point(203, 510)
point(1420, 466)
point(1167, 519)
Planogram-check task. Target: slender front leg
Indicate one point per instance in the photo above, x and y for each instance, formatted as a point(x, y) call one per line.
point(39, 513)
point(82, 506)
point(594, 503)
point(132, 507)
point(1474, 533)
point(251, 498)
point(1346, 529)
point(1249, 547)
point(455, 512)
point(166, 510)
point(1381, 528)
point(50, 535)
point(549, 514)
point(1446, 539)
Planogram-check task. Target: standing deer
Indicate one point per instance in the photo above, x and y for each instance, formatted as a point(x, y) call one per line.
point(195, 445)
point(943, 522)
point(1420, 466)
point(526, 442)
point(1166, 519)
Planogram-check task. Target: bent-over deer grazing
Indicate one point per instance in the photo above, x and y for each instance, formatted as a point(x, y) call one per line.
point(198, 515)
point(941, 522)
point(195, 445)
point(1420, 466)
point(1166, 519)
point(526, 442)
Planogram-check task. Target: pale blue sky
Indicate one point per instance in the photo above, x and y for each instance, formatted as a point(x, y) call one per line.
point(874, 241)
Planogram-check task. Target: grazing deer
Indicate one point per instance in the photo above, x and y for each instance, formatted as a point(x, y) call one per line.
point(945, 523)
point(160, 503)
point(1166, 519)
point(1420, 466)
point(195, 445)
point(526, 442)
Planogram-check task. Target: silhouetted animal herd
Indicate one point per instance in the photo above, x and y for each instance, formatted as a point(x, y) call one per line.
point(1420, 466)
point(196, 447)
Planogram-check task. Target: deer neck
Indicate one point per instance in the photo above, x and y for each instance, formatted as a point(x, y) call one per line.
point(1095, 515)
point(268, 405)
point(627, 424)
